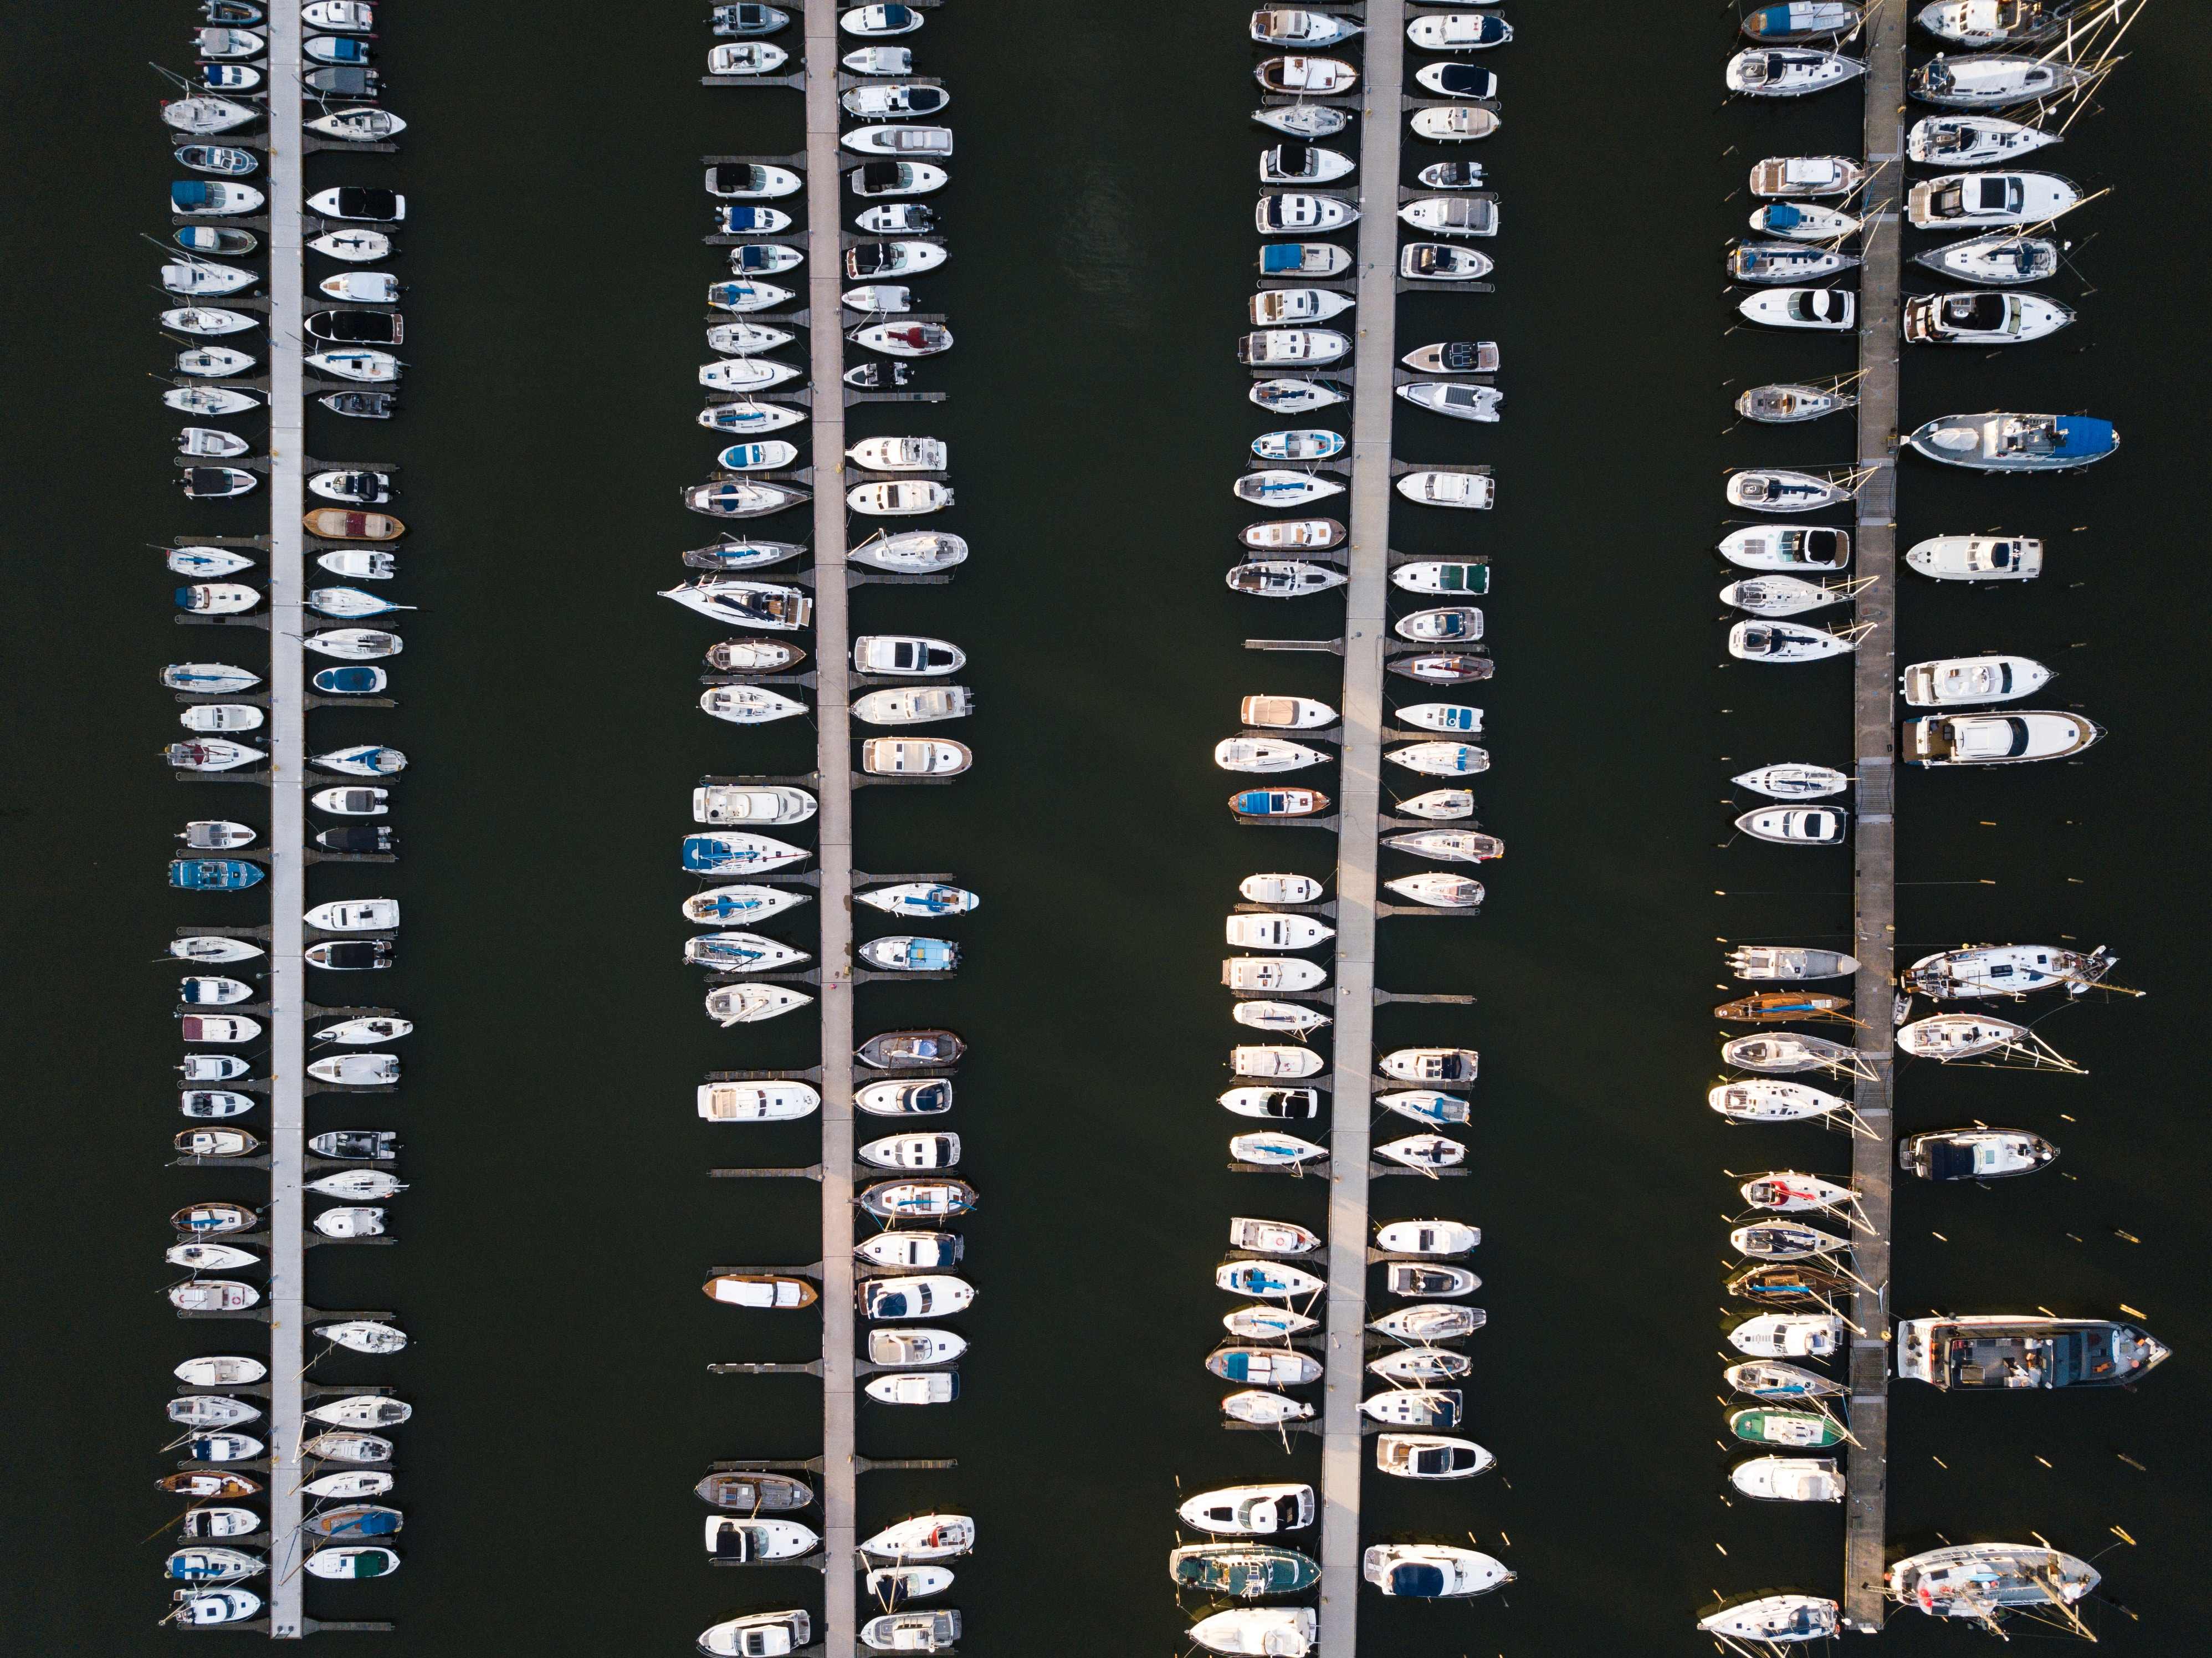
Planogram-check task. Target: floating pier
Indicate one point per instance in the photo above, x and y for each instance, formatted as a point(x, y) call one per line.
point(833, 725)
point(1366, 633)
point(288, 834)
point(1873, 750)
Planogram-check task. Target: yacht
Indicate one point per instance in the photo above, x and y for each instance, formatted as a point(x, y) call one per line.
point(1273, 1104)
point(921, 898)
point(2015, 970)
point(1786, 262)
point(765, 1633)
point(1761, 1099)
point(1812, 176)
point(932, 1098)
point(1437, 1239)
point(1302, 534)
point(1801, 20)
point(1425, 1105)
point(1242, 1572)
point(1416, 1407)
point(1462, 80)
point(914, 1252)
point(1785, 642)
point(1986, 1582)
point(1439, 262)
point(1967, 200)
point(1978, 558)
point(1997, 739)
point(1789, 73)
point(2001, 442)
point(1316, 77)
point(1431, 1571)
point(1826, 310)
point(2025, 1353)
point(1279, 487)
point(1278, 803)
point(895, 100)
point(1277, 932)
point(1431, 1064)
point(1430, 1457)
point(1259, 1631)
point(1979, 1153)
point(724, 804)
point(927, 1296)
point(923, 1199)
point(1796, 826)
point(1787, 547)
point(1271, 1150)
point(908, 1050)
point(1310, 347)
point(1962, 680)
point(1798, 221)
point(1301, 28)
point(1995, 81)
point(1251, 1511)
point(1283, 578)
point(750, 1541)
point(1453, 123)
point(1783, 1053)
point(1971, 140)
point(748, 604)
point(1428, 1281)
point(925, 1537)
point(1789, 1335)
point(1775, 1620)
point(1781, 1381)
point(911, 552)
point(1781, 595)
point(1479, 403)
point(1459, 31)
point(1796, 1429)
point(876, 23)
point(749, 1003)
point(1303, 120)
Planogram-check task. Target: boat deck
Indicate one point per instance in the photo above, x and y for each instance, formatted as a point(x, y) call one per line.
point(833, 725)
point(288, 836)
point(1873, 724)
point(1366, 635)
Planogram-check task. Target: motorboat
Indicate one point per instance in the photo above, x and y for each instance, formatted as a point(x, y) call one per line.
point(1264, 754)
point(1470, 576)
point(748, 181)
point(361, 489)
point(365, 365)
point(898, 139)
point(924, 1537)
point(228, 240)
point(353, 802)
point(873, 22)
point(360, 1032)
point(1986, 1582)
point(360, 203)
point(1768, 72)
point(1438, 890)
point(212, 991)
point(1260, 1631)
point(215, 1143)
point(750, 1004)
point(1828, 309)
point(754, 1492)
point(931, 1098)
point(1760, 1424)
point(1297, 163)
point(1430, 1324)
point(1979, 1153)
point(1801, 20)
point(1441, 668)
point(1776, 1620)
point(1441, 1240)
point(748, 604)
point(1273, 975)
point(1274, 1062)
point(1297, 210)
point(214, 198)
point(1301, 28)
point(215, 874)
point(217, 1295)
point(2000, 22)
point(903, 455)
point(1446, 624)
point(758, 1101)
point(722, 803)
point(1272, 1237)
point(1963, 680)
point(1789, 963)
point(1971, 140)
point(1451, 175)
point(1439, 262)
point(1305, 443)
point(197, 1607)
point(1452, 216)
point(1458, 31)
point(1458, 402)
point(913, 1632)
point(355, 1144)
point(1280, 889)
point(927, 1296)
point(1772, 1380)
point(215, 482)
point(350, 16)
point(2025, 1353)
point(875, 180)
point(897, 756)
point(1311, 76)
point(205, 277)
point(765, 1290)
point(1978, 558)
point(896, 258)
point(907, 498)
point(1763, 1099)
point(1278, 803)
point(1994, 739)
point(1458, 80)
point(1779, 547)
point(893, 100)
point(1308, 347)
point(1285, 713)
point(907, 1050)
point(337, 50)
point(1242, 1572)
point(1430, 1457)
point(1251, 1511)
point(894, 218)
point(1781, 595)
point(1453, 123)
point(751, 1539)
point(1989, 200)
point(357, 126)
point(1431, 1571)
point(1273, 1104)
point(906, 953)
point(740, 952)
point(1428, 1281)
point(1303, 120)
point(1987, 81)
point(745, 58)
point(747, 705)
point(1794, 222)
point(1283, 259)
point(1265, 1367)
point(1283, 578)
point(2001, 442)
point(1271, 1150)
point(912, 1152)
point(1796, 826)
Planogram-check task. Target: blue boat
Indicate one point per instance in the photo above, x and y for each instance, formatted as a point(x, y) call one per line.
point(907, 953)
point(350, 681)
point(338, 49)
point(2001, 442)
point(215, 874)
point(1278, 803)
point(357, 1520)
point(739, 221)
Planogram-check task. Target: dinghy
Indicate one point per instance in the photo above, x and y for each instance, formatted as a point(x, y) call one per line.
point(1454, 122)
point(1795, 73)
point(1778, 547)
point(1283, 578)
point(1995, 81)
point(2001, 442)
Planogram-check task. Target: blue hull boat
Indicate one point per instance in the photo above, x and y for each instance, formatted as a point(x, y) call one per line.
point(214, 874)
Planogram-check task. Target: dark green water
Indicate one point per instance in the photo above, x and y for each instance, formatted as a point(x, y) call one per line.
point(561, 1217)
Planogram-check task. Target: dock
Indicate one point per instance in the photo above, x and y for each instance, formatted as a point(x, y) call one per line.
point(833, 652)
point(1873, 750)
point(288, 834)
point(1366, 634)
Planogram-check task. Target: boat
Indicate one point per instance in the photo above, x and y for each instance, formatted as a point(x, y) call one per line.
point(1271, 1150)
point(1310, 347)
point(750, 1492)
point(1425, 1105)
point(1304, 260)
point(1296, 397)
point(748, 604)
point(1262, 1510)
point(1781, 595)
point(1971, 140)
point(354, 246)
point(1286, 1017)
point(900, 1050)
point(925, 1296)
point(1438, 890)
point(1784, 1053)
point(1299, 211)
point(1790, 1284)
point(1479, 403)
point(213, 1410)
point(1299, 534)
point(1978, 558)
point(1796, 826)
point(1440, 1239)
point(1283, 578)
point(740, 952)
point(1242, 1572)
point(213, 197)
point(1285, 713)
point(1311, 76)
point(913, 1632)
point(1440, 759)
point(1264, 754)
point(1261, 1631)
point(1988, 1582)
point(1997, 739)
point(749, 1003)
point(1446, 624)
point(1782, 547)
point(875, 21)
point(1429, 1323)
point(1425, 1280)
point(1274, 1062)
point(1953, 681)
point(1775, 1619)
point(1271, 975)
point(1453, 123)
point(1789, 73)
point(1471, 576)
point(216, 1295)
point(204, 116)
point(1785, 1241)
point(1979, 1153)
point(1801, 20)
point(1258, 1323)
point(892, 219)
point(1995, 81)
point(1431, 1571)
point(1421, 1365)
point(1301, 28)
point(1759, 1424)
point(747, 705)
point(2001, 442)
point(1441, 668)
point(1458, 31)
point(208, 322)
point(1439, 262)
point(353, 802)
point(1452, 216)
point(758, 1101)
point(1999, 23)
point(215, 362)
point(1759, 1099)
point(1297, 163)
point(919, 1199)
point(1785, 642)
point(1277, 932)
point(925, 1537)
point(1970, 200)
point(1265, 1367)
point(1451, 175)
point(1430, 1457)
point(1794, 223)
point(355, 1144)
point(1458, 80)
point(751, 1540)
point(357, 126)
point(215, 874)
point(745, 58)
point(1782, 1382)
point(931, 1098)
point(197, 1607)
point(899, 139)
point(763, 1291)
point(1272, 1237)
point(2025, 1353)
point(877, 180)
point(1785, 261)
point(1416, 1407)
point(1306, 443)
point(1273, 1104)
point(1303, 120)
point(1278, 803)
point(2015, 970)
point(1829, 310)
point(1450, 487)
point(359, 1336)
point(722, 803)
point(212, 991)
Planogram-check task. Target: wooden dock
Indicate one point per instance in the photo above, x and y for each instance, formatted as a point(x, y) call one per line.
point(834, 752)
point(288, 834)
point(1874, 747)
point(1366, 633)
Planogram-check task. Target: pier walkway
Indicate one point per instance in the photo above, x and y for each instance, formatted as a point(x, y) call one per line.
point(834, 760)
point(1366, 629)
point(1873, 741)
point(288, 839)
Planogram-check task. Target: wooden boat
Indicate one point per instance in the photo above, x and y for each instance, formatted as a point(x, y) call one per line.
point(750, 1492)
point(1780, 1006)
point(338, 523)
point(765, 1290)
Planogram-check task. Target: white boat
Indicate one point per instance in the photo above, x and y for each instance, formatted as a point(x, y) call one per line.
point(747, 705)
point(894, 100)
point(906, 498)
point(1426, 1279)
point(220, 1370)
point(1429, 1323)
point(1960, 681)
point(1432, 1571)
point(1423, 1153)
point(1947, 1036)
point(1440, 759)
point(1978, 558)
point(924, 1296)
point(745, 58)
point(1263, 1510)
point(1784, 547)
point(1285, 714)
point(1430, 1457)
point(1415, 1408)
point(1787, 72)
point(758, 1635)
point(202, 116)
point(925, 1537)
point(1301, 28)
point(363, 365)
point(1301, 210)
point(879, 60)
point(215, 362)
point(749, 1003)
point(1438, 890)
point(208, 678)
point(913, 1632)
point(354, 246)
point(1983, 1582)
point(1449, 488)
point(1259, 1631)
point(1781, 595)
point(1796, 826)
point(358, 125)
point(723, 804)
point(198, 1606)
point(740, 339)
point(1994, 80)
point(1454, 122)
point(352, 802)
point(1303, 120)
point(1440, 1239)
point(357, 1069)
point(744, 297)
point(1761, 1099)
point(1439, 261)
point(911, 552)
point(1997, 739)
point(871, 22)
point(1264, 754)
point(743, 1542)
point(1309, 347)
point(1440, 806)
point(1312, 76)
point(1272, 1150)
point(1458, 31)
point(360, 1336)
point(760, 605)
point(1301, 163)
point(1799, 222)
point(197, 276)
point(222, 717)
point(1455, 401)
point(1279, 1062)
point(893, 756)
point(1785, 642)
point(359, 1033)
point(1971, 140)
point(927, 1098)
point(1258, 1323)
point(1829, 310)
point(897, 258)
point(218, 1294)
point(1775, 1619)
point(1789, 1335)
point(1794, 781)
point(1280, 889)
point(1789, 963)
point(209, 321)
point(1272, 975)
point(1277, 932)
point(1278, 1017)
point(1982, 318)
point(877, 180)
point(1425, 1105)
point(1787, 1192)
point(740, 952)
point(898, 139)
point(216, 753)
point(1771, 489)
point(899, 454)
point(1452, 216)
point(1997, 22)
point(1989, 200)
point(749, 181)
point(2012, 970)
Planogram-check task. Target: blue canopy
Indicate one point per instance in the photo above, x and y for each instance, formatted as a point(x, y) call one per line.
point(191, 192)
point(2079, 435)
point(1421, 1582)
point(1281, 256)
